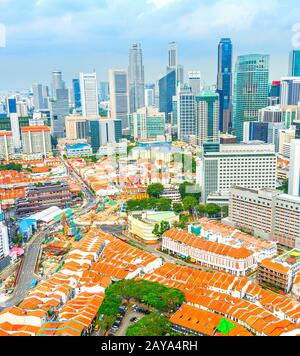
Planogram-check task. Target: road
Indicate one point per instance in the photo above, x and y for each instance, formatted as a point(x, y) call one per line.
point(126, 322)
point(27, 273)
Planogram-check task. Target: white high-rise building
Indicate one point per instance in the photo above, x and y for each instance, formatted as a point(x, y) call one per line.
point(249, 165)
point(195, 81)
point(294, 181)
point(119, 99)
point(172, 56)
point(89, 94)
point(15, 128)
point(4, 240)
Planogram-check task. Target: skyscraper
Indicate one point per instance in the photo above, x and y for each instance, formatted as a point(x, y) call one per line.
point(89, 94)
point(119, 100)
point(172, 56)
point(251, 90)
point(187, 122)
point(40, 100)
point(167, 89)
point(207, 117)
point(150, 95)
point(195, 81)
point(104, 91)
point(294, 67)
point(136, 78)
point(294, 181)
point(59, 110)
point(290, 91)
point(224, 84)
point(76, 93)
point(57, 83)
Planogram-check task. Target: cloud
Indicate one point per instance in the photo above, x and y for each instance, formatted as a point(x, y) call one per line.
point(159, 4)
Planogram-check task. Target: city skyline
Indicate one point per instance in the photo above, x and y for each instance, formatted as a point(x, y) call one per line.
point(79, 42)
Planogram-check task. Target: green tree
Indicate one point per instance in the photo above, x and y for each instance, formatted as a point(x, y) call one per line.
point(151, 325)
point(164, 204)
point(186, 190)
point(201, 209)
point(178, 208)
point(161, 228)
point(213, 209)
point(189, 203)
point(155, 190)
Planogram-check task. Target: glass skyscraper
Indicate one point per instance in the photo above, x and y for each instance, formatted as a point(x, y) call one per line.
point(251, 90)
point(76, 93)
point(187, 116)
point(294, 69)
point(136, 78)
point(167, 89)
point(224, 85)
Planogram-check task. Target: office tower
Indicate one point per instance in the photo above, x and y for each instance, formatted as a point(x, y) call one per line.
point(119, 100)
point(57, 83)
point(167, 89)
point(286, 136)
point(207, 117)
point(224, 83)
point(40, 98)
point(36, 140)
point(247, 165)
point(172, 56)
point(104, 91)
point(294, 181)
point(294, 65)
point(187, 116)
point(59, 110)
point(274, 93)
point(136, 78)
point(89, 94)
point(195, 82)
point(76, 93)
point(22, 109)
point(251, 89)
point(290, 91)
point(6, 145)
point(174, 120)
point(12, 105)
point(150, 95)
point(180, 74)
point(147, 123)
point(270, 114)
point(256, 131)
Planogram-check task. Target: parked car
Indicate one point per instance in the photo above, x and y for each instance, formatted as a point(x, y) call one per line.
point(133, 320)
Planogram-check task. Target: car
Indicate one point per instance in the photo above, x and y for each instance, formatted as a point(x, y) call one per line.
point(111, 335)
point(133, 320)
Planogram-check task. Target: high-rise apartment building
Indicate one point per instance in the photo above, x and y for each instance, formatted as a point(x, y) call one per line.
point(294, 181)
point(119, 99)
point(36, 140)
point(207, 117)
point(147, 123)
point(224, 83)
point(294, 65)
point(187, 114)
point(136, 78)
point(89, 94)
point(195, 81)
point(251, 90)
point(249, 165)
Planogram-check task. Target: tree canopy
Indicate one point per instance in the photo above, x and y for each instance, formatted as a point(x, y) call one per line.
point(155, 190)
point(151, 325)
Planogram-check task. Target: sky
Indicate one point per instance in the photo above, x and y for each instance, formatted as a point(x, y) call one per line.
point(77, 35)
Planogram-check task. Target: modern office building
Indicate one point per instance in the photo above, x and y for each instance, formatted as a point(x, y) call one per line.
point(256, 131)
point(172, 56)
point(270, 114)
point(104, 91)
point(76, 93)
point(251, 90)
point(57, 83)
point(147, 123)
point(224, 83)
point(294, 181)
point(285, 138)
point(180, 74)
point(77, 128)
point(119, 98)
point(290, 91)
point(207, 106)
point(187, 114)
point(6, 145)
point(150, 95)
point(40, 99)
point(89, 94)
point(136, 78)
point(195, 82)
point(59, 109)
point(22, 109)
point(249, 165)
point(36, 140)
point(167, 90)
point(274, 94)
point(294, 65)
